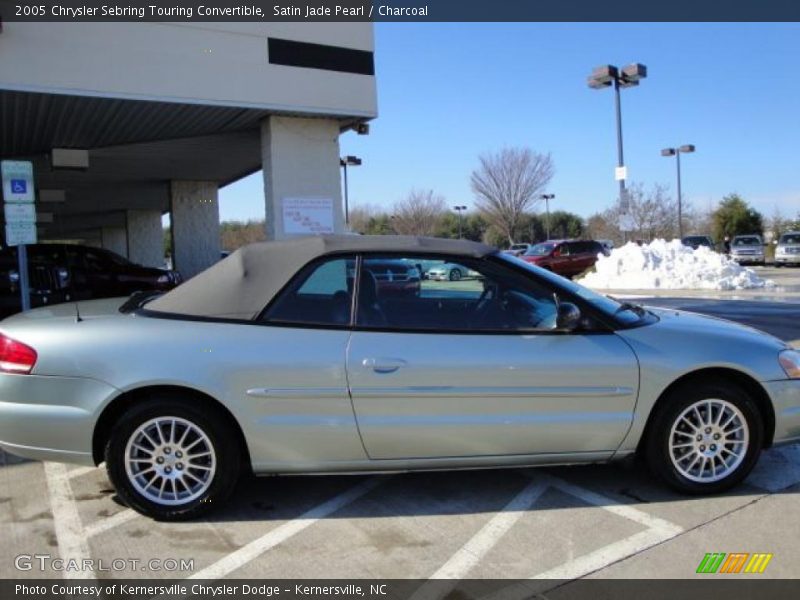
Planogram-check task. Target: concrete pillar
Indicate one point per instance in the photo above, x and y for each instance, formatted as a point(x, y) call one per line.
point(300, 158)
point(145, 237)
point(195, 226)
point(115, 239)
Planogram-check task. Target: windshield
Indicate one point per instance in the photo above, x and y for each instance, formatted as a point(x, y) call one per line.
point(746, 241)
point(790, 238)
point(624, 312)
point(113, 257)
point(541, 249)
point(519, 247)
point(698, 239)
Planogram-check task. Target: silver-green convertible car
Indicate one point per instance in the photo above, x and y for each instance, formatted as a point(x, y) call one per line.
point(289, 357)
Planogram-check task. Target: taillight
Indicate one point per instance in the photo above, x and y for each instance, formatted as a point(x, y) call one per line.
point(16, 357)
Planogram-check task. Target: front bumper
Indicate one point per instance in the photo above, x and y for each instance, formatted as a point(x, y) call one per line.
point(788, 259)
point(748, 258)
point(51, 418)
point(785, 396)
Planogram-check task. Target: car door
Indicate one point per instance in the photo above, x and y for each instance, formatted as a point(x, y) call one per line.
point(560, 261)
point(300, 415)
point(492, 377)
point(584, 256)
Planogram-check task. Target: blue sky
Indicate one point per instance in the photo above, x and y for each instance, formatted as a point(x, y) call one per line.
point(448, 92)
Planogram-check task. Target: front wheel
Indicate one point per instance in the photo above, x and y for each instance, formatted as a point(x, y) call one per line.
point(172, 460)
point(455, 275)
point(705, 438)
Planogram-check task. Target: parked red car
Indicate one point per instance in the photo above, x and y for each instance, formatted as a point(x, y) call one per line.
point(565, 257)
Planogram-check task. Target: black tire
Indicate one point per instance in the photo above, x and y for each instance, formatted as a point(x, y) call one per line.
point(212, 423)
point(657, 443)
point(455, 275)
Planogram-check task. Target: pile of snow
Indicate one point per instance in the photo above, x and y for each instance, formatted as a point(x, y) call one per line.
point(670, 266)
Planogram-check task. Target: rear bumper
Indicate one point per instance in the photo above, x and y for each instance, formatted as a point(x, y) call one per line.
point(785, 396)
point(51, 418)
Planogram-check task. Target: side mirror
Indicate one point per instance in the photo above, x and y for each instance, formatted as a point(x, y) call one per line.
point(568, 317)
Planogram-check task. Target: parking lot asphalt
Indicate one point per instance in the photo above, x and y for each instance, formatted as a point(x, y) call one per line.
point(546, 525)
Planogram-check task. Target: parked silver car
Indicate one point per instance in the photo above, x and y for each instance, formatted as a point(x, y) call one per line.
point(748, 249)
point(787, 249)
point(287, 358)
point(447, 272)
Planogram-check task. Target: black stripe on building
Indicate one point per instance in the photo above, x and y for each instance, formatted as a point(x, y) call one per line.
point(319, 56)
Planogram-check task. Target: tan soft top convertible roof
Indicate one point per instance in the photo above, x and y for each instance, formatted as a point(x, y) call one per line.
point(240, 286)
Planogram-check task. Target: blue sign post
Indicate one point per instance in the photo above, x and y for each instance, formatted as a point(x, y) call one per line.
point(20, 224)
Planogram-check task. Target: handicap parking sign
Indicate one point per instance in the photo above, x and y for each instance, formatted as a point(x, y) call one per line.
point(17, 181)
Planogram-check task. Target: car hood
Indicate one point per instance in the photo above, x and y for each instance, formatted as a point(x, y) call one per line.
point(682, 341)
point(693, 324)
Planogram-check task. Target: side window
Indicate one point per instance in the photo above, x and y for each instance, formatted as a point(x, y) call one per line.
point(442, 295)
point(96, 262)
point(73, 258)
point(320, 295)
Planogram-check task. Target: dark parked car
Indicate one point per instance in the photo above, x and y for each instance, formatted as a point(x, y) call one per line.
point(695, 241)
point(397, 277)
point(565, 257)
point(65, 272)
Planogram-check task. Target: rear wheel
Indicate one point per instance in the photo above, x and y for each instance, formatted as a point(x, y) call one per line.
point(172, 460)
point(705, 438)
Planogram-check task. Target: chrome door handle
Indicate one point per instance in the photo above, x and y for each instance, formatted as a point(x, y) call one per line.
point(383, 365)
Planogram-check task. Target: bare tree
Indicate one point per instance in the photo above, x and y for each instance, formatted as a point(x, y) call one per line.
point(361, 215)
point(508, 183)
point(419, 213)
point(650, 215)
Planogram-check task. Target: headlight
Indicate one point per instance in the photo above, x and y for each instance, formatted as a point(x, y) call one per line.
point(164, 279)
point(790, 361)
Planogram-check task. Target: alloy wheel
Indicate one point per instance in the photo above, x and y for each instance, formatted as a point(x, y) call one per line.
point(709, 440)
point(170, 461)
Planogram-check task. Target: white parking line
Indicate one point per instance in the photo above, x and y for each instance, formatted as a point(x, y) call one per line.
point(613, 506)
point(73, 473)
point(72, 542)
point(658, 530)
point(254, 549)
point(602, 557)
point(120, 518)
point(482, 542)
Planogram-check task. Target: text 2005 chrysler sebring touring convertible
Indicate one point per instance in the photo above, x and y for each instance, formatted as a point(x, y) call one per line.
point(303, 357)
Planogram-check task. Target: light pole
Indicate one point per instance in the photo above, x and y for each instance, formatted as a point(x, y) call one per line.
point(547, 198)
point(459, 210)
point(676, 152)
point(606, 76)
point(352, 161)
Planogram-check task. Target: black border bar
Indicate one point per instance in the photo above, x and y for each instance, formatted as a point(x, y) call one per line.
point(402, 10)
